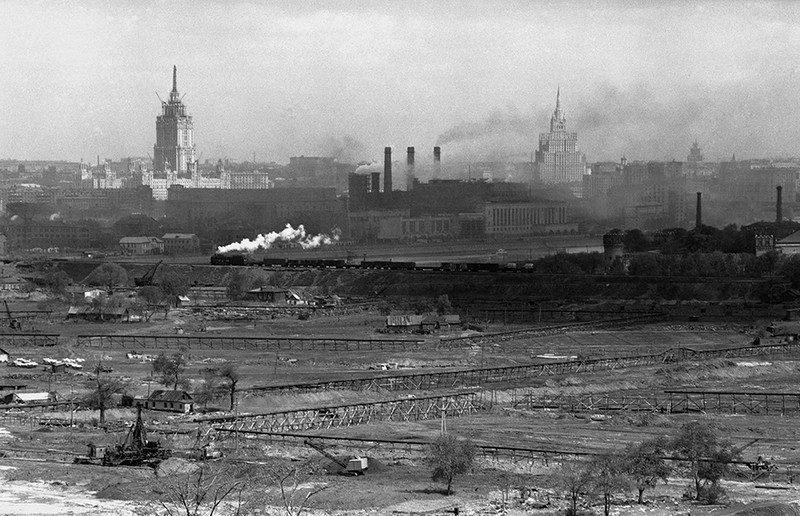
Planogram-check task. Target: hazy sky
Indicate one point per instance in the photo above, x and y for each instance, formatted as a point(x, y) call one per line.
point(286, 78)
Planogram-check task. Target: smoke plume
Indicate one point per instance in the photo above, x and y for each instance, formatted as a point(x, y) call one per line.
point(346, 149)
point(288, 234)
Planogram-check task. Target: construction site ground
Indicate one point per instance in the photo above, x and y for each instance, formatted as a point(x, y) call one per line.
point(38, 477)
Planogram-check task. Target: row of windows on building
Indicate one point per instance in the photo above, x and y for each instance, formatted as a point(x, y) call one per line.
point(422, 226)
point(528, 216)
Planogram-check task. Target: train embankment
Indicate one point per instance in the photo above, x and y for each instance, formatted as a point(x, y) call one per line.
point(462, 285)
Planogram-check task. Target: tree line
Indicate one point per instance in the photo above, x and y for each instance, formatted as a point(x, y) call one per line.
point(696, 451)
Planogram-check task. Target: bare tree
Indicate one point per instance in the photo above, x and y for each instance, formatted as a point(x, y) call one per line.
point(172, 284)
point(208, 390)
point(708, 456)
point(170, 369)
point(102, 396)
point(229, 372)
point(608, 476)
point(287, 489)
point(294, 495)
point(450, 456)
point(200, 492)
point(575, 479)
point(646, 463)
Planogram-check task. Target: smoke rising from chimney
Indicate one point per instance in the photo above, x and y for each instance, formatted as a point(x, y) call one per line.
point(288, 234)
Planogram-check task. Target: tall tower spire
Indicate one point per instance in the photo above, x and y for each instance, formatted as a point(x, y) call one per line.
point(174, 149)
point(558, 122)
point(558, 99)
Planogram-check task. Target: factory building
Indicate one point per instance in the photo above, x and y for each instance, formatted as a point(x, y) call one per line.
point(527, 218)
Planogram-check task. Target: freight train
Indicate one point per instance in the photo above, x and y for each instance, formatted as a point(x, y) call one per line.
point(247, 260)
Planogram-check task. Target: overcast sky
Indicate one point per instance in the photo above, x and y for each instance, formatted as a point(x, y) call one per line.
point(78, 79)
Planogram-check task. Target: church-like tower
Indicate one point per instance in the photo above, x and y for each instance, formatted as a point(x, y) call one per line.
point(558, 159)
point(174, 150)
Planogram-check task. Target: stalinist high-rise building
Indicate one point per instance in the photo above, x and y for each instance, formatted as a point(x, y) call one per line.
point(558, 159)
point(174, 160)
point(174, 149)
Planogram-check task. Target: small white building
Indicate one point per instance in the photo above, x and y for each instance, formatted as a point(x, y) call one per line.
point(171, 401)
point(28, 397)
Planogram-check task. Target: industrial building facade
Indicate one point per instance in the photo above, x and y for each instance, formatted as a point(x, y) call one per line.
point(529, 218)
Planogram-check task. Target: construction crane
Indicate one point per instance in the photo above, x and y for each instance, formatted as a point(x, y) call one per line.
point(136, 450)
point(147, 278)
point(14, 324)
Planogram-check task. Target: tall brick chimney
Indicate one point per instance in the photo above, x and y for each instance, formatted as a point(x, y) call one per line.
point(387, 170)
point(437, 161)
point(699, 218)
point(779, 205)
point(409, 168)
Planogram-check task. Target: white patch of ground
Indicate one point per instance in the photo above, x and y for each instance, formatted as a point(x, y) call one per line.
point(40, 498)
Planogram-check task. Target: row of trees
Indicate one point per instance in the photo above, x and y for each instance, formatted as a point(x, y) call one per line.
point(168, 370)
point(707, 459)
point(696, 265)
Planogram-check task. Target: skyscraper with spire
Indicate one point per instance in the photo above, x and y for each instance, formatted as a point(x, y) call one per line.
point(174, 150)
point(558, 159)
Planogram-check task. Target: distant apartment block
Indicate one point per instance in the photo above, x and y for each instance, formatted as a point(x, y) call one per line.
point(181, 243)
point(141, 245)
point(45, 236)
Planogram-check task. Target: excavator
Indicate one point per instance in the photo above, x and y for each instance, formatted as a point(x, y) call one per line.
point(147, 278)
point(354, 466)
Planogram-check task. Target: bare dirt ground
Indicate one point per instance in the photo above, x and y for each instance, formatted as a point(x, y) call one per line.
point(398, 481)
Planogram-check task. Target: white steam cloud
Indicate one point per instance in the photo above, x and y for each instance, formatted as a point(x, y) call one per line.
point(55, 216)
point(289, 234)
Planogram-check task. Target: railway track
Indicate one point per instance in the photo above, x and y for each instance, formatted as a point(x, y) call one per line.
point(485, 338)
point(267, 343)
point(483, 376)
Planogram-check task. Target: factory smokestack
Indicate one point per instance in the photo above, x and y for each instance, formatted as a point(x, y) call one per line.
point(437, 161)
point(699, 217)
point(409, 168)
point(387, 170)
point(779, 205)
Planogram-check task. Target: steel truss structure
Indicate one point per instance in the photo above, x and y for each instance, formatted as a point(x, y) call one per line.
point(29, 339)
point(670, 402)
point(244, 343)
point(474, 377)
point(406, 409)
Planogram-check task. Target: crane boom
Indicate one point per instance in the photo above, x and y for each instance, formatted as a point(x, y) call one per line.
point(325, 452)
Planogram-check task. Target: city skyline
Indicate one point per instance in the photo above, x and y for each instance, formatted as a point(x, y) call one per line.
point(477, 78)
